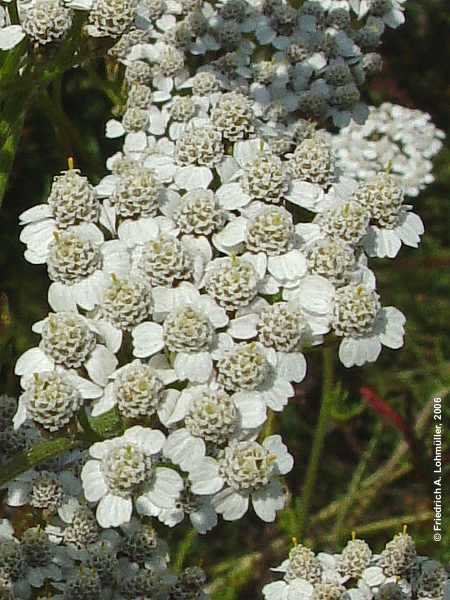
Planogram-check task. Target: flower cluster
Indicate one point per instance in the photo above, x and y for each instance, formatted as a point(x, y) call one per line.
point(230, 235)
point(189, 283)
point(123, 564)
point(313, 63)
point(357, 573)
point(393, 137)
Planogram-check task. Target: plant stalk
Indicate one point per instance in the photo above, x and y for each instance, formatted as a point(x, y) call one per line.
point(318, 442)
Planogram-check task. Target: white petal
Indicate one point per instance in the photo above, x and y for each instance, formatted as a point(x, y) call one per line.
point(135, 142)
point(114, 129)
point(11, 36)
point(288, 267)
point(276, 590)
point(315, 294)
point(147, 339)
point(145, 506)
point(394, 331)
point(86, 388)
point(359, 351)
point(195, 367)
point(291, 366)
point(230, 196)
point(244, 328)
point(307, 195)
point(247, 151)
point(204, 519)
point(107, 185)
point(88, 292)
point(268, 500)
point(105, 403)
point(115, 258)
point(32, 361)
point(232, 234)
point(230, 504)
point(166, 487)
point(252, 411)
point(382, 242)
point(60, 298)
point(183, 449)
point(36, 213)
point(150, 440)
point(204, 477)
point(38, 234)
point(285, 461)
point(94, 485)
point(138, 232)
point(18, 494)
point(110, 335)
point(113, 511)
point(191, 178)
point(101, 364)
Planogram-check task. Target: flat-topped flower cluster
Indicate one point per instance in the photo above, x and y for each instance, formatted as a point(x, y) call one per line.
point(80, 563)
point(226, 241)
point(356, 573)
point(400, 139)
point(309, 61)
point(188, 285)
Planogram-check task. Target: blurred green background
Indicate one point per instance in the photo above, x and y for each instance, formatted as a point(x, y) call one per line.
point(370, 480)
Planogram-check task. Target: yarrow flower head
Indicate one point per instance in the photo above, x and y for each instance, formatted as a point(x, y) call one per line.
point(51, 400)
point(265, 178)
point(73, 200)
point(111, 18)
point(123, 471)
point(164, 261)
point(232, 282)
point(46, 21)
point(357, 572)
point(67, 338)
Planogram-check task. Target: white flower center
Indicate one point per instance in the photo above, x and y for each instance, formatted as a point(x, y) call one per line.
point(247, 466)
point(125, 468)
point(188, 331)
point(355, 310)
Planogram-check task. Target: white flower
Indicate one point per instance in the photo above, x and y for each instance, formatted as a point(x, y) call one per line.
point(71, 341)
point(282, 590)
point(266, 230)
point(201, 513)
point(247, 469)
point(138, 389)
point(250, 371)
point(393, 135)
point(123, 472)
point(43, 489)
point(391, 11)
point(212, 418)
point(281, 327)
point(365, 326)
point(44, 21)
point(51, 398)
point(189, 330)
point(79, 262)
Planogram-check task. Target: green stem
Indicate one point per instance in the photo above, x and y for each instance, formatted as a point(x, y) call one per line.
point(318, 442)
point(184, 548)
point(394, 523)
point(355, 483)
point(40, 453)
point(9, 147)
